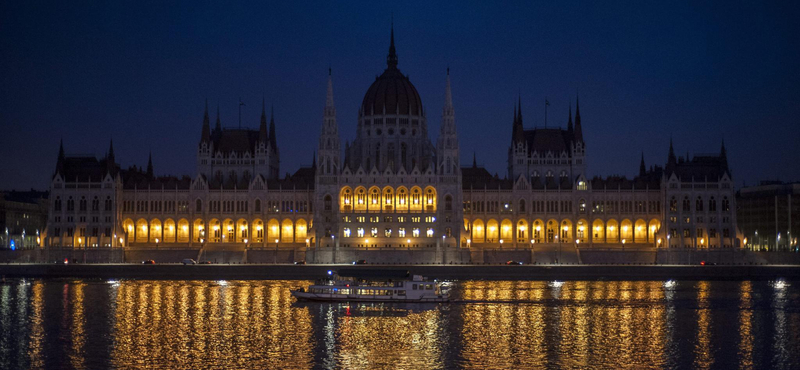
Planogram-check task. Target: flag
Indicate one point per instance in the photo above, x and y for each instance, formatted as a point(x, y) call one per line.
point(546, 102)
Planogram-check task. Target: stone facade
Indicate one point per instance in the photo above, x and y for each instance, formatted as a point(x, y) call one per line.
point(391, 194)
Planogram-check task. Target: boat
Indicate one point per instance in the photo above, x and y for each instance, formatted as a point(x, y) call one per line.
point(362, 285)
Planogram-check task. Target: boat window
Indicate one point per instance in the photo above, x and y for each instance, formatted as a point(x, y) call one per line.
point(429, 286)
point(415, 287)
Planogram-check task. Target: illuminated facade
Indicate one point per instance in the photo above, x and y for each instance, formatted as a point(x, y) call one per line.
point(392, 190)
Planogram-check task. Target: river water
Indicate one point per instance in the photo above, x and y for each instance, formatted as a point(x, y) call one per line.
point(498, 324)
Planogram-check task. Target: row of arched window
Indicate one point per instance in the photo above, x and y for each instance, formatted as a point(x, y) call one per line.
point(82, 204)
point(699, 204)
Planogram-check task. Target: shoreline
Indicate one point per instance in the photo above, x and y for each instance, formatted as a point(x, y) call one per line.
point(444, 272)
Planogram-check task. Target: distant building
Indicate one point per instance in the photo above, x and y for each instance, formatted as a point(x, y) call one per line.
point(769, 215)
point(393, 189)
point(23, 218)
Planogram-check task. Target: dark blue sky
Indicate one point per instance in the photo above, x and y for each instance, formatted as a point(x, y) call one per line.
point(140, 72)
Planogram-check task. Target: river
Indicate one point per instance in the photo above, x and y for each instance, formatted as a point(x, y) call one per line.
point(498, 324)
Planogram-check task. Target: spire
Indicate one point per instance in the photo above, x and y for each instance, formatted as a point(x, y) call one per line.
point(272, 138)
point(110, 159)
point(569, 122)
point(60, 161)
point(150, 165)
point(111, 150)
point(723, 155)
point(517, 131)
point(314, 160)
point(61, 150)
point(329, 97)
point(474, 160)
point(391, 59)
point(515, 113)
point(205, 135)
point(642, 168)
point(671, 160)
point(218, 125)
point(448, 94)
point(262, 128)
point(578, 127)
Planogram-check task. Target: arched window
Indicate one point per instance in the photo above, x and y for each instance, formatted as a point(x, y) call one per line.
point(108, 204)
point(582, 206)
point(448, 203)
point(95, 204)
point(698, 205)
point(328, 203)
point(198, 206)
point(522, 206)
point(686, 204)
point(549, 173)
point(258, 205)
point(82, 204)
point(70, 204)
point(673, 205)
point(57, 205)
point(726, 204)
point(712, 204)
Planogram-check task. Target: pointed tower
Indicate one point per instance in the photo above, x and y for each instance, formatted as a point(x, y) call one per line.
point(61, 157)
point(723, 156)
point(578, 145)
point(274, 155)
point(642, 167)
point(391, 58)
point(150, 166)
point(448, 168)
point(518, 151)
point(329, 164)
point(206, 145)
point(447, 145)
point(111, 160)
point(262, 154)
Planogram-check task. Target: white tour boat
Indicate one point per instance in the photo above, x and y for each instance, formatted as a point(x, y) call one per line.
point(362, 285)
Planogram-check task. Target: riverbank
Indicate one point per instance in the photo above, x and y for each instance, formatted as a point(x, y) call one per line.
point(449, 272)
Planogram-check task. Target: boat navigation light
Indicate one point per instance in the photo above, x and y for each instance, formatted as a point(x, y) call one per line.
point(330, 272)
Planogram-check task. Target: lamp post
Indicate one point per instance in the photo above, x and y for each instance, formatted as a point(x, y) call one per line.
point(276, 251)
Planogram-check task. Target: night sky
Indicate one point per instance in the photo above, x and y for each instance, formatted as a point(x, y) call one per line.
point(140, 72)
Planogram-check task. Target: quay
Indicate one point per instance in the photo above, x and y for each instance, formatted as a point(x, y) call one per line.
point(433, 271)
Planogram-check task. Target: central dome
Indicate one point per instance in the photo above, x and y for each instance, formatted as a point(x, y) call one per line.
point(391, 91)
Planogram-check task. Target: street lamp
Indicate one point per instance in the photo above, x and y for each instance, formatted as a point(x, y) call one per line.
point(276, 252)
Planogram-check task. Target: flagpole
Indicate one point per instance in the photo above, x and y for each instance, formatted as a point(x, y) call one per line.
point(545, 111)
point(240, 113)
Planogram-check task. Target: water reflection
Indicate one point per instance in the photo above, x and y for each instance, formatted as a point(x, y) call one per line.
point(506, 324)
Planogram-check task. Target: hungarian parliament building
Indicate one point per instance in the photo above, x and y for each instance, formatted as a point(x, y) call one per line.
point(391, 189)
